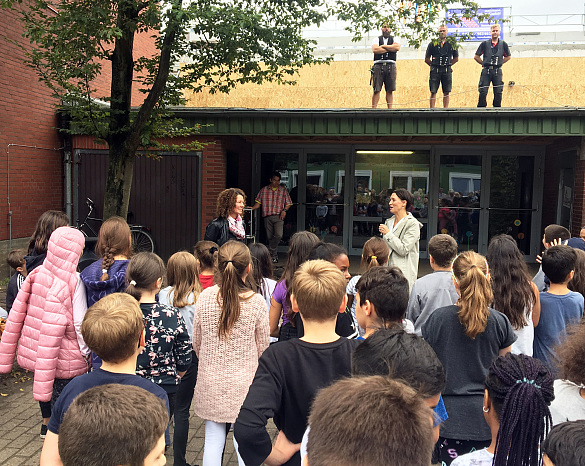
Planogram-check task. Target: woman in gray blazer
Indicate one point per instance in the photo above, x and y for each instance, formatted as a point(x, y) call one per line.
point(402, 233)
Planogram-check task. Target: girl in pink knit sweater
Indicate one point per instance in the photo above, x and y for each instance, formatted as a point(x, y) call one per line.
point(230, 332)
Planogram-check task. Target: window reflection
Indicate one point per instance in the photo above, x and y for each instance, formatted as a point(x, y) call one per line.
point(377, 175)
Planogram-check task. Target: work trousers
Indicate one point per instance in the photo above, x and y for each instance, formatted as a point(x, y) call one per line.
point(274, 227)
point(496, 78)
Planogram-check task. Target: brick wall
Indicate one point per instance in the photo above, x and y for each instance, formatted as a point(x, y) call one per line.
point(31, 179)
point(578, 218)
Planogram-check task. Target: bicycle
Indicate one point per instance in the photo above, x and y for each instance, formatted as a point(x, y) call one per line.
point(141, 239)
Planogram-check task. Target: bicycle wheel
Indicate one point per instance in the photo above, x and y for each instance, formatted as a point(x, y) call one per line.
point(142, 241)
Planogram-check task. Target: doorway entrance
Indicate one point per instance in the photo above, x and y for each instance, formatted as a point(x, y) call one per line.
point(471, 193)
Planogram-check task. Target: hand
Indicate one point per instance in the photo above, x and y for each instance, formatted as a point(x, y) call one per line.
point(383, 229)
point(558, 242)
point(283, 214)
point(282, 450)
point(539, 259)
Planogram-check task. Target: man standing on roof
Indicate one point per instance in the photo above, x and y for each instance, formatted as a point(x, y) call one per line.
point(440, 56)
point(275, 202)
point(495, 53)
point(384, 69)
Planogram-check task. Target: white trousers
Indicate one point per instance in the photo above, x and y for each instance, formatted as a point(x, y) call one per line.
point(215, 435)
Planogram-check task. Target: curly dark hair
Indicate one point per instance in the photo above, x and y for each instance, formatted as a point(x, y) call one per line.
point(226, 201)
point(571, 354)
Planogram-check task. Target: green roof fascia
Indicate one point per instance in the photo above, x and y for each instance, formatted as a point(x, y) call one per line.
point(502, 122)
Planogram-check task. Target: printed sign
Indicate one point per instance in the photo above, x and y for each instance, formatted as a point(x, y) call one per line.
point(480, 30)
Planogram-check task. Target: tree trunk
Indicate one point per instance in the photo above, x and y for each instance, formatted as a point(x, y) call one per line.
point(118, 181)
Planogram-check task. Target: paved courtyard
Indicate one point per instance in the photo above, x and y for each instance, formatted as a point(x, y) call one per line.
point(20, 420)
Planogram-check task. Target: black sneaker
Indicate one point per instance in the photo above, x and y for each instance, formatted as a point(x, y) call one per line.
point(43, 431)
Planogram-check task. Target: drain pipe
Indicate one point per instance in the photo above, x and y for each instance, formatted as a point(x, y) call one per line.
point(8, 182)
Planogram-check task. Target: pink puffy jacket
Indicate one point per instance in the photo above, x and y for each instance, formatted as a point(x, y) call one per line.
point(42, 318)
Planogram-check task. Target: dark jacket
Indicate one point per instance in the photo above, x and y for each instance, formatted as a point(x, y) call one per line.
point(219, 232)
point(95, 288)
point(32, 262)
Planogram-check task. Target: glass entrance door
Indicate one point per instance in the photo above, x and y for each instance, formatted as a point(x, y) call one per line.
point(511, 198)
point(324, 202)
point(484, 193)
point(459, 199)
point(315, 180)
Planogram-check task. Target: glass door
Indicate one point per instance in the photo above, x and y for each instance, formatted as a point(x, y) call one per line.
point(287, 164)
point(377, 173)
point(324, 200)
point(511, 199)
point(459, 199)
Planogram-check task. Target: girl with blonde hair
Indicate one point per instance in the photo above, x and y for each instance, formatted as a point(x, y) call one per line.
point(467, 337)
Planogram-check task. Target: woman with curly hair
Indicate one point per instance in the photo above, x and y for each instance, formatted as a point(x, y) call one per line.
point(569, 403)
point(514, 293)
point(228, 225)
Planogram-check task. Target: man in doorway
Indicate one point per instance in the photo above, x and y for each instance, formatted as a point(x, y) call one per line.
point(440, 56)
point(275, 202)
point(495, 54)
point(384, 69)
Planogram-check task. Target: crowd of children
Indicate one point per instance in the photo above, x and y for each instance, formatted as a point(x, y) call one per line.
point(470, 365)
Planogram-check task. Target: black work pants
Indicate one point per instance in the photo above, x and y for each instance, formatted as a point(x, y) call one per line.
point(495, 77)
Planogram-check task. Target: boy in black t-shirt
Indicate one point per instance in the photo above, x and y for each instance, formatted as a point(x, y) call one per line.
point(114, 330)
point(291, 372)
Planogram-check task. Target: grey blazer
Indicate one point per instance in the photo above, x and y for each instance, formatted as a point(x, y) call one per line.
point(404, 246)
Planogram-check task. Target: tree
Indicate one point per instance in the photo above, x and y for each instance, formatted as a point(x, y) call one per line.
point(235, 41)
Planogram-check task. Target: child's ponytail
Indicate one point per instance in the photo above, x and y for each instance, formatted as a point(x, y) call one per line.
point(144, 269)
point(233, 261)
point(470, 271)
point(375, 253)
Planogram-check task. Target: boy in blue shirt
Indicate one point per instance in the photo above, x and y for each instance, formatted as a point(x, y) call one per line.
point(559, 307)
point(114, 330)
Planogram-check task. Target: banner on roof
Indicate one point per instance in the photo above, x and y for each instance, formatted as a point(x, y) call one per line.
point(480, 30)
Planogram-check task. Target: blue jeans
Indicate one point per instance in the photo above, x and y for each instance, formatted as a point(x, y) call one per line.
point(183, 399)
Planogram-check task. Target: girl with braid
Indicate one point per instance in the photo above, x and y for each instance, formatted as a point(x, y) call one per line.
point(518, 392)
point(107, 275)
point(467, 337)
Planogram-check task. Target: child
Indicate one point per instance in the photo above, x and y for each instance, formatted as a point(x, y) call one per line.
point(47, 223)
point(106, 425)
point(381, 300)
point(167, 351)
point(553, 234)
point(518, 391)
point(262, 271)
point(374, 253)
point(108, 274)
point(230, 332)
point(300, 247)
point(467, 337)
point(46, 319)
point(182, 293)
point(569, 402)
point(559, 307)
point(436, 289)
point(514, 294)
point(16, 260)
point(345, 326)
point(564, 445)
point(114, 330)
point(401, 356)
point(290, 373)
point(369, 421)
point(205, 253)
